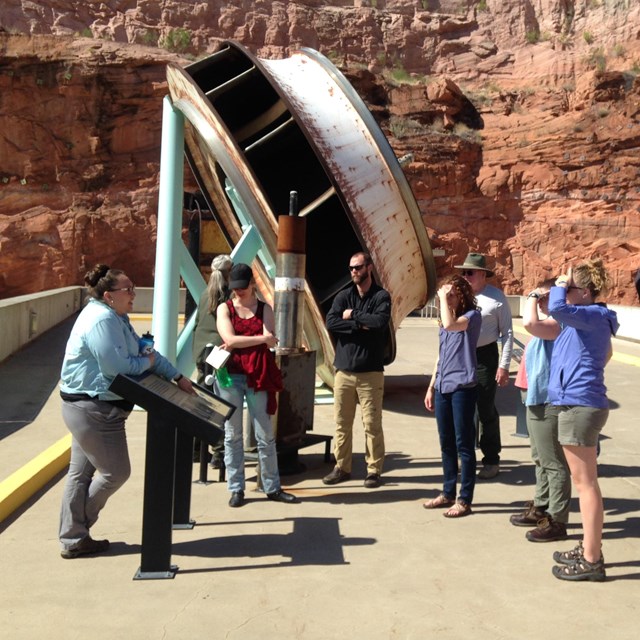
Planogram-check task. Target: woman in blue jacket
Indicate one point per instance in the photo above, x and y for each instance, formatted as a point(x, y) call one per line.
point(579, 397)
point(102, 344)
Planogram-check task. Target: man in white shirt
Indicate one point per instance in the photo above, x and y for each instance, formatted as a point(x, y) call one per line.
point(493, 366)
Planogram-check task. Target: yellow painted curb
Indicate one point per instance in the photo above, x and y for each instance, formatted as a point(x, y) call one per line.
point(21, 485)
point(626, 359)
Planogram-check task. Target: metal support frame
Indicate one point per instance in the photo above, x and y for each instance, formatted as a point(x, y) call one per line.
point(172, 256)
point(167, 273)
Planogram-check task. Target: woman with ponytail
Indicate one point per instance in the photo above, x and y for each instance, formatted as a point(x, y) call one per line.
point(206, 328)
point(579, 399)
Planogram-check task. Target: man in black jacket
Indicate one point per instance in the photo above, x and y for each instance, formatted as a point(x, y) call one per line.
point(359, 321)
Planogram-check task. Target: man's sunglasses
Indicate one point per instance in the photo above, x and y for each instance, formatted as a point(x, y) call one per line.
point(356, 267)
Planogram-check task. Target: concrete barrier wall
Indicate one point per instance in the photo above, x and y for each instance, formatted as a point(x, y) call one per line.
point(628, 317)
point(24, 318)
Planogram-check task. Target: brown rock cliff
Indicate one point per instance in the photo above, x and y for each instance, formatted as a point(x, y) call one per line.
point(523, 120)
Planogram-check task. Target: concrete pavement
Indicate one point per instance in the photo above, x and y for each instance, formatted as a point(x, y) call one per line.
point(347, 561)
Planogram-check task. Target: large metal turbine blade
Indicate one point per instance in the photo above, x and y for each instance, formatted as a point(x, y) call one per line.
point(257, 129)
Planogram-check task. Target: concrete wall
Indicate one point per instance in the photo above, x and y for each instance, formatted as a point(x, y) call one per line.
point(628, 317)
point(23, 318)
point(144, 300)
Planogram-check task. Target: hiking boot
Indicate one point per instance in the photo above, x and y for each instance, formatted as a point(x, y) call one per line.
point(581, 569)
point(336, 476)
point(529, 517)
point(87, 546)
point(548, 530)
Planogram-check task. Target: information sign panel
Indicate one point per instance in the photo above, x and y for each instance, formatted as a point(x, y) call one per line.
point(173, 417)
point(194, 414)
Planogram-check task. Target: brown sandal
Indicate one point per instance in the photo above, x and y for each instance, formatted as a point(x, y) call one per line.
point(458, 510)
point(438, 502)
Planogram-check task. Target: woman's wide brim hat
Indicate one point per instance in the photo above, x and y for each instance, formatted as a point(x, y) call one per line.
point(475, 261)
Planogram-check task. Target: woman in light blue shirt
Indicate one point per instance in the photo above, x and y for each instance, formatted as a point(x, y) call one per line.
point(102, 344)
point(548, 513)
point(452, 393)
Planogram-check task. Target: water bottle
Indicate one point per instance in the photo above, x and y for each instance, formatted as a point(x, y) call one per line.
point(146, 344)
point(223, 377)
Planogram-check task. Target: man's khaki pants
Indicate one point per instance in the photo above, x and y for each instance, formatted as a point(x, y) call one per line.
point(367, 388)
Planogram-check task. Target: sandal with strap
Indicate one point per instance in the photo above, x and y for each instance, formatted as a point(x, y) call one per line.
point(581, 569)
point(569, 557)
point(438, 502)
point(458, 510)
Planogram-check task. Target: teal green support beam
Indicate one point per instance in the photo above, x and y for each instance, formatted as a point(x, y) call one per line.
point(255, 245)
point(196, 285)
point(185, 361)
point(169, 240)
point(172, 257)
point(190, 273)
point(248, 246)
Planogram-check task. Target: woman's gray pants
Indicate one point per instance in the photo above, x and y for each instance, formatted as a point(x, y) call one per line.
point(99, 445)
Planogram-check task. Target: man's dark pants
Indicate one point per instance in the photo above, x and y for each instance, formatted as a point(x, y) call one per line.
point(489, 419)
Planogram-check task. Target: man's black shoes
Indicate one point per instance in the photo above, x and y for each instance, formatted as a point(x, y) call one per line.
point(237, 499)
point(336, 476)
point(282, 496)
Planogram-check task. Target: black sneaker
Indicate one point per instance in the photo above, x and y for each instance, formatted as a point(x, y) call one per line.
point(336, 476)
point(87, 546)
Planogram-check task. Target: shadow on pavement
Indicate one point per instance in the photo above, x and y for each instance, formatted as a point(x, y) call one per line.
point(29, 376)
point(312, 541)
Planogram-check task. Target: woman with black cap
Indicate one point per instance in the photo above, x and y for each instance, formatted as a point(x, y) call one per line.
point(246, 326)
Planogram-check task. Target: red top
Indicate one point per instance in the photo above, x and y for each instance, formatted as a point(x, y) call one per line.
point(257, 362)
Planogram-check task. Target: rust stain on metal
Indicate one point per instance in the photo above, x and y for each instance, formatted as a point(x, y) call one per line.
point(337, 148)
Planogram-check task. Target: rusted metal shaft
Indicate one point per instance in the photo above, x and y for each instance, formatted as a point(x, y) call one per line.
point(290, 279)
